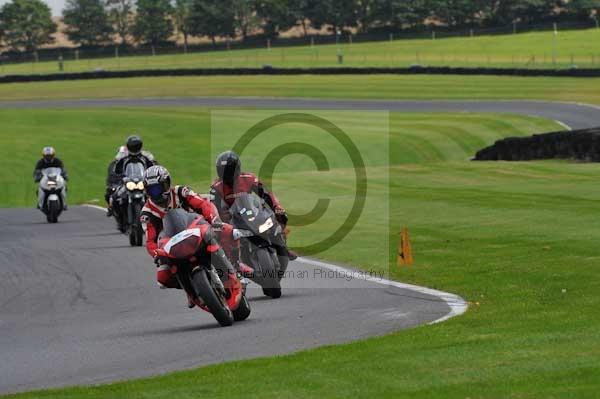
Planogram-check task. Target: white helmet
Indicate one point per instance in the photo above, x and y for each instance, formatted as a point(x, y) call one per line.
point(122, 152)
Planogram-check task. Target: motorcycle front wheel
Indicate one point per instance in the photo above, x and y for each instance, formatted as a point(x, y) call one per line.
point(212, 298)
point(243, 310)
point(53, 210)
point(269, 277)
point(135, 229)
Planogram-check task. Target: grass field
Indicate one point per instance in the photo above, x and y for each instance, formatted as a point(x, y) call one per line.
point(363, 87)
point(515, 239)
point(529, 50)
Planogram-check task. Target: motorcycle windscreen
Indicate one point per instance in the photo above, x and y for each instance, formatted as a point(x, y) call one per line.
point(248, 212)
point(52, 173)
point(134, 171)
point(185, 244)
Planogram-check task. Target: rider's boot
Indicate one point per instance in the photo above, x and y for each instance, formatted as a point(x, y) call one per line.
point(245, 270)
point(292, 255)
point(191, 303)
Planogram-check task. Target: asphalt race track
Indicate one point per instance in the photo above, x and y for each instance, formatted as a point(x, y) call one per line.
point(78, 305)
point(576, 116)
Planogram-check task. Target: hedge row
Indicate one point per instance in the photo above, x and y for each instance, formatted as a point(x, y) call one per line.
point(267, 70)
point(581, 145)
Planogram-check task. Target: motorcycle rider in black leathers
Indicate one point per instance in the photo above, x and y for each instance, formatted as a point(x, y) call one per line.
point(134, 153)
point(232, 181)
point(49, 160)
point(134, 148)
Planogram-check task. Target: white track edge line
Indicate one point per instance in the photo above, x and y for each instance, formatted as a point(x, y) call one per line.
point(456, 304)
point(567, 127)
point(94, 206)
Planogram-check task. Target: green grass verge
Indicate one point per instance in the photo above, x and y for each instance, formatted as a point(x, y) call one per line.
point(363, 87)
point(515, 239)
point(529, 50)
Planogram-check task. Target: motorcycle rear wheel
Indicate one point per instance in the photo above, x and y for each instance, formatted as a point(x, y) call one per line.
point(213, 300)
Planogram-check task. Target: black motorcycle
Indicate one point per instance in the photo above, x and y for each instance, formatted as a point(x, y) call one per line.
point(128, 202)
point(263, 245)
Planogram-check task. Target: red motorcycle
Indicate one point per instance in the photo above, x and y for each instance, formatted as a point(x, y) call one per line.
point(185, 249)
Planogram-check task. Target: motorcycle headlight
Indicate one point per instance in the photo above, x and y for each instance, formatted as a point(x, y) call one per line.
point(140, 186)
point(265, 226)
point(130, 185)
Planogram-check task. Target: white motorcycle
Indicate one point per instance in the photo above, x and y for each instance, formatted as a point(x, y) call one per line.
point(52, 194)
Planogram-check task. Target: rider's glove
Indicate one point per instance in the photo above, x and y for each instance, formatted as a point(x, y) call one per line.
point(159, 258)
point(281, 215)
point(279, 210)
point(217, 225)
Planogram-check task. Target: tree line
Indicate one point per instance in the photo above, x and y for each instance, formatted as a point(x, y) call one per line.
point(27, 24)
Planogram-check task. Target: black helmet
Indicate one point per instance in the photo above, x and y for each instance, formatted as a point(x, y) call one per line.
point(134, 144)
point(157, 183)
point(228, 167)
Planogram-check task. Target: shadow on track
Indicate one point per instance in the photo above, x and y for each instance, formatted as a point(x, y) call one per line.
point(175, 330)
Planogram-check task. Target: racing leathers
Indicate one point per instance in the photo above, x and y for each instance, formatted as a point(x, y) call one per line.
point(144, 157)
point(223, 196)
point(43, 164)
point(183, 197)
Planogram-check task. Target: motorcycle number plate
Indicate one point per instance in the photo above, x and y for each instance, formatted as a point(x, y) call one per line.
point(179, 237)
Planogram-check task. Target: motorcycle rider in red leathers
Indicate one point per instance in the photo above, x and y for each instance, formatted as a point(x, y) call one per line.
point(162, 198)
point(231, 181)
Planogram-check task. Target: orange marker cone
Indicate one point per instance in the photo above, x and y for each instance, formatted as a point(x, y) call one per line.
point(405, 257)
